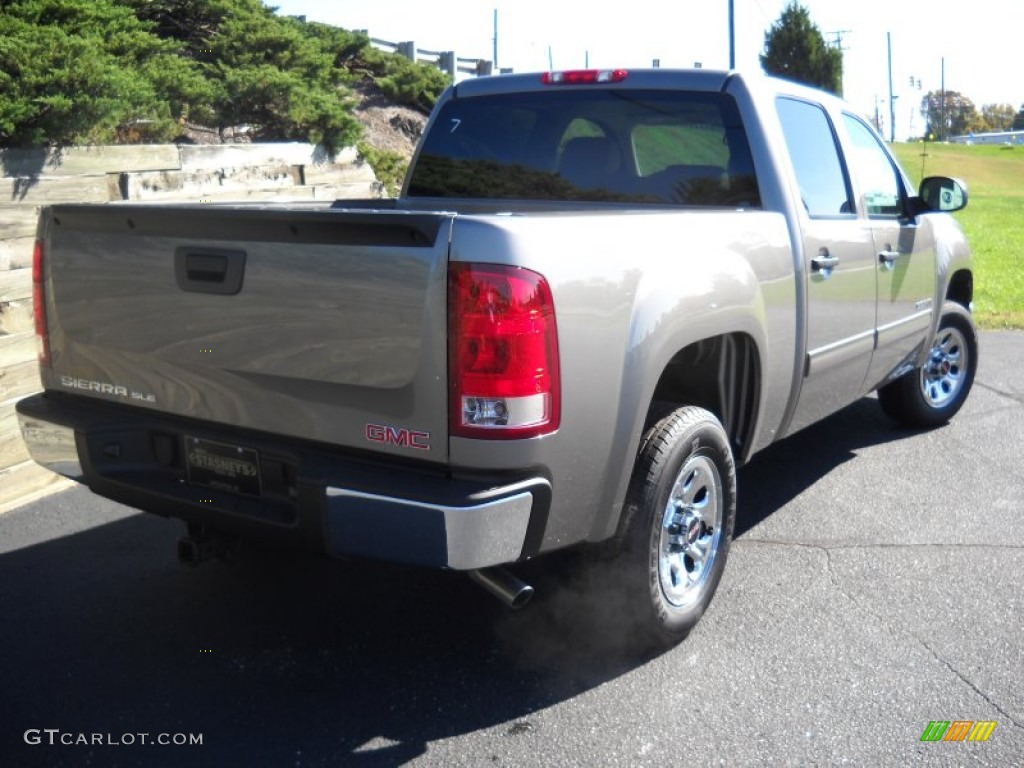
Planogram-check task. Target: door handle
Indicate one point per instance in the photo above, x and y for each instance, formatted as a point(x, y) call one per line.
point(888, 258)
point(824, 263)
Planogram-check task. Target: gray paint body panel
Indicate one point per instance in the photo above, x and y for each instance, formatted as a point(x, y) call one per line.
point(624, 310)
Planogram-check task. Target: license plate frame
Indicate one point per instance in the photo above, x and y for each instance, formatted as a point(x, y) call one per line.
point(223, 466)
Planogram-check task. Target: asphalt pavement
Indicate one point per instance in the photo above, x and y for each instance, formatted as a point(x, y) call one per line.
point(874, 586)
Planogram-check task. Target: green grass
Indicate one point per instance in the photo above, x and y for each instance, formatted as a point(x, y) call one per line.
point(993, 219)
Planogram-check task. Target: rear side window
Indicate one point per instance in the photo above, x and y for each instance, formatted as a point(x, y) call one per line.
point(816, 160)
point(626, 146)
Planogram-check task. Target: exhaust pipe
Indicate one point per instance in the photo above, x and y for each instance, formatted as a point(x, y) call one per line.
point(201, 544)
point(505, 586)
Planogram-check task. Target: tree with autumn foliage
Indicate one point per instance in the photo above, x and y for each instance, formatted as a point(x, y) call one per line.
point(997, 117)
point(948, 113)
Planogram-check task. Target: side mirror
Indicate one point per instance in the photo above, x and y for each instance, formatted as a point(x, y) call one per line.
point(943, 194)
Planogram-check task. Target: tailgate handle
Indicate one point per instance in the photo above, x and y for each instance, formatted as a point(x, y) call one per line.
point(209, 270)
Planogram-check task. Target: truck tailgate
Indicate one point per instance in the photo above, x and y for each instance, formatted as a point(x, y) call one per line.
point(327, 325)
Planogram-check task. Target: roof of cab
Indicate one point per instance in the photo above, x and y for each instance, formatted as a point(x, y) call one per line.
point(689, 79)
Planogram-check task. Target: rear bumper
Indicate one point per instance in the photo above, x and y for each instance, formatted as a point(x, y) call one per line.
point(313, 496)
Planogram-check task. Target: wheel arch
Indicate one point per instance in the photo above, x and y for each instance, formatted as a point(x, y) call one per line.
point(721, 374)
point(961, 288)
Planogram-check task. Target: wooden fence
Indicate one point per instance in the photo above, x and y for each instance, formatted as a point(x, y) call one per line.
point(30, 179)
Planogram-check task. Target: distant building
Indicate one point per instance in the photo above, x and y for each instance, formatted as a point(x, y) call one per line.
point(1003, 137)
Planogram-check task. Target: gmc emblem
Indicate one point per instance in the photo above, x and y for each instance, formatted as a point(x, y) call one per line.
point(400, 437)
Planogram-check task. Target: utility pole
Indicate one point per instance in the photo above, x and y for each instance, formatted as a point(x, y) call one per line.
point(839, 38)
point(732, 35)
point(942, 106)
point(892, 99)
point(495, 57)
point(840, 47)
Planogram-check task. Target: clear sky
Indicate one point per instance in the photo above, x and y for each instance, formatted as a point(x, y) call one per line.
point(980, 40)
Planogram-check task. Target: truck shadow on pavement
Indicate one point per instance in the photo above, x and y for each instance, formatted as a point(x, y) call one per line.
point(286, 659)
point(777, 475)
point(279, 659)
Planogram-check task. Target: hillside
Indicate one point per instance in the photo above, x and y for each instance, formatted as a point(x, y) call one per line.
point(387, 125)
point(82, 72)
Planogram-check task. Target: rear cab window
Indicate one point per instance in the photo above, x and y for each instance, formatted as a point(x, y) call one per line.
point(657, 147)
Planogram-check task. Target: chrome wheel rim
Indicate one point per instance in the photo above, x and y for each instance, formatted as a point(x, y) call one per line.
point(942, 376)
point(691, 530)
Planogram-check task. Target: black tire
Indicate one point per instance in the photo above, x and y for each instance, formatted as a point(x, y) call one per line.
point(681, 501)
point(932, 394)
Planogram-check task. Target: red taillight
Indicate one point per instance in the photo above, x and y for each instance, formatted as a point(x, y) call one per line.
point(503, 352)
point(39, 304)
point(584, 76)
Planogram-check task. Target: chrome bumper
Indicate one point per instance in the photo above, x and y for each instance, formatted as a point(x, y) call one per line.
point(489, 532)
point(51, 445)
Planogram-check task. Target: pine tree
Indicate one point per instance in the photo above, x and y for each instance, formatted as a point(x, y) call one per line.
point(105, 71)
point(80, 71)
point(795, 49)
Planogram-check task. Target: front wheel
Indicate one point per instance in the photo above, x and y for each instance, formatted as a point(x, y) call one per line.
point(681, 509)
point(930, 395)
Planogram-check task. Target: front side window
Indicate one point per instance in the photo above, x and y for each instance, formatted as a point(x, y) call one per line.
point(874, 171)
point(658, 147)
point(816, 159)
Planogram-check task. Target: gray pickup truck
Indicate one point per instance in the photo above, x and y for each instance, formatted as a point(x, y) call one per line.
point(598, 292)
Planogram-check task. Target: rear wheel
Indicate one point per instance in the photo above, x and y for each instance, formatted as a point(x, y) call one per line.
point(932, 394)
point(681, 509)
